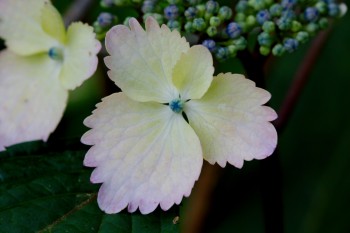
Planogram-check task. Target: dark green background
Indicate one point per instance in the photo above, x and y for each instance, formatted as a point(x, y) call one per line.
point(314, 148)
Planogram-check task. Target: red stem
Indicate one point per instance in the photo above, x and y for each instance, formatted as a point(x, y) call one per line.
point(300, 80)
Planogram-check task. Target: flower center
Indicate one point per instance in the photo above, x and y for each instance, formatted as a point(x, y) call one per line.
point(176, 105)
point(56, 53)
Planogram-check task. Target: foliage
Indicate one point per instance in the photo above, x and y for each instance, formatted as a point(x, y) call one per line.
point(45, 188)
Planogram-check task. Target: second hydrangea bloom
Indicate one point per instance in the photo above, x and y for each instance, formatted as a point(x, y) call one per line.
point(144, 150)
point(41, 63)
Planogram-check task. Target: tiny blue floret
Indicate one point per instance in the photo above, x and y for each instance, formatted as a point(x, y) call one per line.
point(148, 6)
point(190, 13)
point(290, 45)
point(233, 30)
point(56, 53)
point(171, 12)
point(333, 9)
point(105, 19)
point(222, 53)
point(242, 6)
point(311, 14)
point(287, 4)
point(265, 39)
point(212, 6)
point(262, 16)
point(276, 10)
point(176, 105)
point(210, 44)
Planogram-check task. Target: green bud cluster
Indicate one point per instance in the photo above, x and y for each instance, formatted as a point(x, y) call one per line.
point(279, 26)
point(282, 25)
point(103, 23)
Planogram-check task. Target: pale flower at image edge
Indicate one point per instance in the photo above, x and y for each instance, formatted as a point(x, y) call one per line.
point(41, 63)
point(144, 152)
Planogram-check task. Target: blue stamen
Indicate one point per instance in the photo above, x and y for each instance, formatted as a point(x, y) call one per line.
point(176, 105)
point(56, 53)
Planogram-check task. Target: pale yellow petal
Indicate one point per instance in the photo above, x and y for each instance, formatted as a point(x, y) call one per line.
point(145, 155)
point(193, 73)
point(52, 22)
point(32, 99)
point(141, 62)
point(21, 28)
point(231, 123)
point(80, 55)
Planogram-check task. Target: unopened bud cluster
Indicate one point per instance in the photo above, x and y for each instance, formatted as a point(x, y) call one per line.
point(283, 25)
point(278, 26)
point(103, 23)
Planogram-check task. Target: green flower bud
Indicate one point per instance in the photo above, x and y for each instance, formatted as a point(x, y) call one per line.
point(276, 10)
point(324, 23)
point(232, 49)
point(250, 21)
point(199, 24)
point(321, 7)
point(278, 50)
point(240, 43)
point(200, 10)
point(212, 31)
point(174, 24)
point(212, 7)
point(222, 53)
point(240, 17)
point(207, 16)
point(257, 4)
point(312, 28)
point(284, 23)
point(242, 6)
point(225, 13)
point(296, 26)
point(264, 50)
point(269, 26)
point(214, 21)
point(302, 37)
point(97, 28)
point(189, 27)
point(265, 39)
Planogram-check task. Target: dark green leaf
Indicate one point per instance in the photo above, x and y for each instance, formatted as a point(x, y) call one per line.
point(45, 188)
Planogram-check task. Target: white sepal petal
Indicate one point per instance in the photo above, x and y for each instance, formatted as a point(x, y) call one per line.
point(32, 99)
point(193, 73)
point(231, 123)
point(80, 56)
point(145, 155)
point(20, 26)
point(141, 62)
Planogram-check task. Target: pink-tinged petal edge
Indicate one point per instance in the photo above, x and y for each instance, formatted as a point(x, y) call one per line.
point(32, 100)
point(139, 155)
point(231, 123)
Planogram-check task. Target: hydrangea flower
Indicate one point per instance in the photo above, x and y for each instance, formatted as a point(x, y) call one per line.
point(41, 64)
point(145, 151)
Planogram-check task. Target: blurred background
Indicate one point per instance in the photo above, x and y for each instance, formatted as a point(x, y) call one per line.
point(307, 189)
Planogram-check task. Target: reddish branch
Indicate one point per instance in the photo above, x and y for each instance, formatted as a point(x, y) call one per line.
point(254, 67)
point(300, 79)
point(77, 11)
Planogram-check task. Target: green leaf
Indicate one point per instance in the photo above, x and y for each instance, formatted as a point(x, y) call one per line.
point(44, 188)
